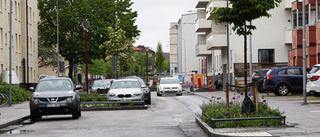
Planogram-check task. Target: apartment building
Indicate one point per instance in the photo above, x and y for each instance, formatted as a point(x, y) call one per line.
point(24, 39)
point(312, 35)
point(173, 34)
point(186, 39)
point(267, 47)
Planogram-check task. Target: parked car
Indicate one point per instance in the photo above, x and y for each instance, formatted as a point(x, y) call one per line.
point(101, 86)
point(126, 90)
point(55, 96)
point(313, 82)
point(258, 76)
point(283, 80)
point(42, 76)
point(169, 85)
point(144, 86)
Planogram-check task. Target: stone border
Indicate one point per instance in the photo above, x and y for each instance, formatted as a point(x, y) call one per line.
point(14, 122)
point(208, 130)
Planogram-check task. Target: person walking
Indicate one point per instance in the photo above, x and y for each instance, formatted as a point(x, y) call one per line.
point(219, 82)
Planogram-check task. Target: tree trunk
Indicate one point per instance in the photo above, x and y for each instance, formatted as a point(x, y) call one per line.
point(70, 68)
point(245, 60)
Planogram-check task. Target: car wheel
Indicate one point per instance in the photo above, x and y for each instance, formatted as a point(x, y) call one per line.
point(158, 94)
point(179, 94)
point(282, 90)
point(148, 102)
point(75, 114)
point(33, 116)
point(79, 111)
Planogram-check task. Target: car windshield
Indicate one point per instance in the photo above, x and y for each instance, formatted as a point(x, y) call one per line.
point(314, 69)
point(125, 84)
point(169, 81)
point(101, 83)
point(54, 84)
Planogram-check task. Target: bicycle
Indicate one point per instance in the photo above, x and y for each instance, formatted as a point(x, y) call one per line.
point(3, 98)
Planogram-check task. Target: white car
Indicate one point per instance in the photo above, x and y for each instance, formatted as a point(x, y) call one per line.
point(169, 86)
point(313, 80)
point(126, 90)
point(101, 86)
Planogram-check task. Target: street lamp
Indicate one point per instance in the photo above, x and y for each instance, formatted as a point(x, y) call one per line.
point(147, 55)
point(85, 25)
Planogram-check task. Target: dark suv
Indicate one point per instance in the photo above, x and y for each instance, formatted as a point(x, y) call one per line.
point(283, 80)
point(258, 76)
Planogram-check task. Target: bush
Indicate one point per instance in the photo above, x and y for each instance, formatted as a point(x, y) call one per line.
point(217, 109)
point(153, 88)
point(18, 94)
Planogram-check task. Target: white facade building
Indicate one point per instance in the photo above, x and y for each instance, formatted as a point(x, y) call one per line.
point(186, 39)
point(269, 43)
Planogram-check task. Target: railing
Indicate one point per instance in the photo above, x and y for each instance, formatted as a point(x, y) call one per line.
point(249, 118)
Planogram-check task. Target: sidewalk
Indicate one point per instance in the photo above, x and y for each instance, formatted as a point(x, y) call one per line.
point(14, 114)
point(305, 118)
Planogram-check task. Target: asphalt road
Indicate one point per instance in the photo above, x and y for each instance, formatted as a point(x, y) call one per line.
point(167, 116)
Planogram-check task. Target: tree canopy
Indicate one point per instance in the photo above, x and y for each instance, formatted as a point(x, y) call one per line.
point(102, 15)
point(159, 63)
point(242, 12)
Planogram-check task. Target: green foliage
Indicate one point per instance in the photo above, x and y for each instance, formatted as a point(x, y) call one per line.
point(18, 94)
point(153, 88)
point(159, 63)
point(102, 14)
point(217, 109)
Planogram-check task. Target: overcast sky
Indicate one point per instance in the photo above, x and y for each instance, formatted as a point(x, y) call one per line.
point(154, 17)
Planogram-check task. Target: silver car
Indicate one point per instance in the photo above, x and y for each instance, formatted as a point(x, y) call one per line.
point(126, 90)
point(55, 96)
point(101, 86)
point(169, 85)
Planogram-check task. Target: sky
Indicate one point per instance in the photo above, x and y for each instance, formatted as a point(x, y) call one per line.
point(154, 17)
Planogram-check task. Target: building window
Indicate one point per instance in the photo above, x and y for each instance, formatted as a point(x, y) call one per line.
point(299, 25)
point(0, 5)
point(266, 55)
point(1, 38)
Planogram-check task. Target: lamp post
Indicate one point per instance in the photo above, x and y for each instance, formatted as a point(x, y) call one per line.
point(147, 55)
point(85, 25)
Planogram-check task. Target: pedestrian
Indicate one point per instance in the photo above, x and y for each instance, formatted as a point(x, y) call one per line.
point(219, 82)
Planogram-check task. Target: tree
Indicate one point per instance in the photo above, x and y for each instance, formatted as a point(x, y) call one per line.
point(242, 12)
point(102, 14)
point(47, 56)
point(159, 63)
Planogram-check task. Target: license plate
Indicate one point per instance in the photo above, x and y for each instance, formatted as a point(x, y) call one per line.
point(52, 105)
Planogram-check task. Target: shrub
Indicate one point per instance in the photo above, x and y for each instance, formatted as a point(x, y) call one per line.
point(217, 109)
point(18, 94)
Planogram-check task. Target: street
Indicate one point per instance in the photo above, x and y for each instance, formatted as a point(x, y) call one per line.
point(170, 116)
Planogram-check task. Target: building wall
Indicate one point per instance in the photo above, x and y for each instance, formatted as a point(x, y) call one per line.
point(173, 47)
point(187, 39)
point(19, 39)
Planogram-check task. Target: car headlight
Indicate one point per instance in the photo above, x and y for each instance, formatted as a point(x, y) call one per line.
point(180, 87)
point(112, 94)
point(36, 101)
point(137, 94)
point(69, 100)
point(161, 87)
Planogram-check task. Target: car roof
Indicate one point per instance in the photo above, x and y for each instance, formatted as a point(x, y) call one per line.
point(52, 78)
point(169, 78)
point(125, 80)
point(104, 79)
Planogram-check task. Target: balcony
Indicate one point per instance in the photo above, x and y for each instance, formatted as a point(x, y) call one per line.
point(216, 39)
point(203, 25)
point(296, 38)
point(310, 35)
point(202, 3)
point(288, 3)
point(296, 5)
point(201, 50)
point(215, 4)
point(288, 36)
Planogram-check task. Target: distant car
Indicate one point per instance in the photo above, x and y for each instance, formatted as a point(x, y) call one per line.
point(144, 86)
point(258, 76)
point(283, 80)
point(125, 90)
point(55, 96)
point(169, 85)
point(101, 86)
point(313, 82)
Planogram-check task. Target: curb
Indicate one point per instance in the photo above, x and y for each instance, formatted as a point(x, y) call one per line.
point(14, 122)
point(208, 130)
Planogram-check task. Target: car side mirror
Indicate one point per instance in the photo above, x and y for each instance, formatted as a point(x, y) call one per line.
point(31, 88)
point(147, 84)
point(144, 86)
point(78, 87)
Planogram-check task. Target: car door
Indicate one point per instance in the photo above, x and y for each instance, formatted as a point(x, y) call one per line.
point(295, 78)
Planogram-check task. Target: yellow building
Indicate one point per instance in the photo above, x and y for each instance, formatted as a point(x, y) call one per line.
point(24, 38)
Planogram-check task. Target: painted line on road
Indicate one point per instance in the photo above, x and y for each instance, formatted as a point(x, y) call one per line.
point(315, 111)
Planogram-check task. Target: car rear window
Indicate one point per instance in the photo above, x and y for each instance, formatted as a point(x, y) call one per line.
point(314, 69)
